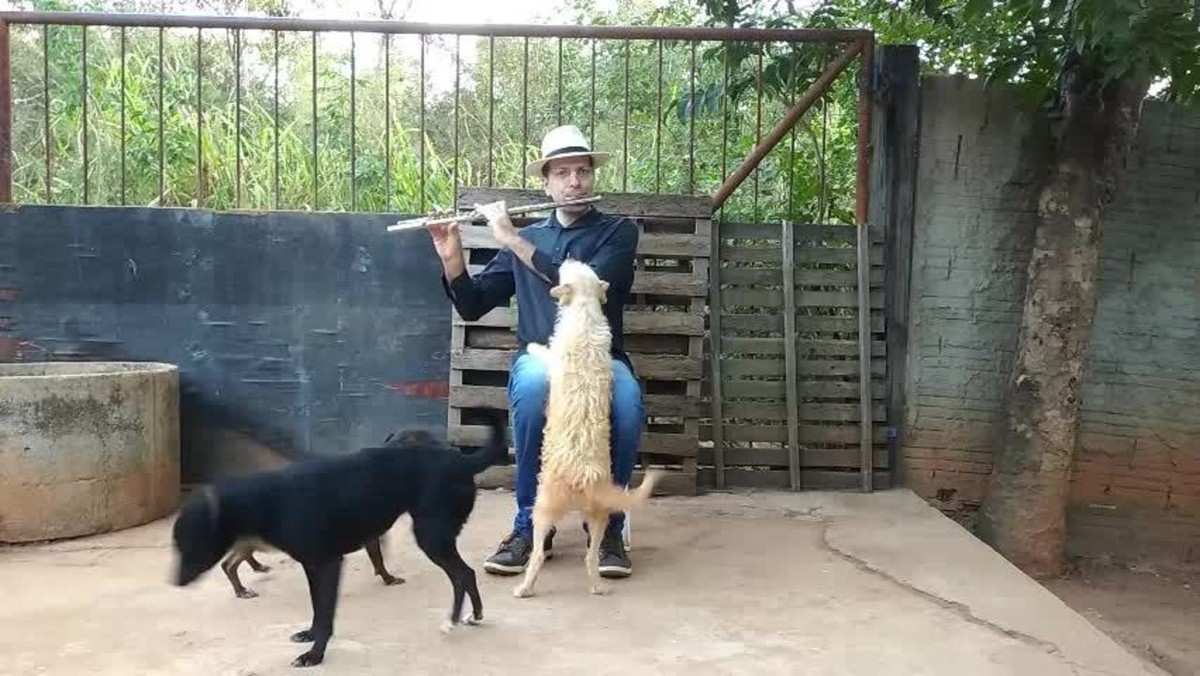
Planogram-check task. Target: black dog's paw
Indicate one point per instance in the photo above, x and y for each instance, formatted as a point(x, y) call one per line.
point(309, 659)
point(305, 636)
point(247, 594)
point(393, 580)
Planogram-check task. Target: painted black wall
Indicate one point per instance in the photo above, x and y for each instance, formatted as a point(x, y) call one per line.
point(304, 329)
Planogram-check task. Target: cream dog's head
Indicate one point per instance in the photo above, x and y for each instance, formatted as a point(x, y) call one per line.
point(579, 284)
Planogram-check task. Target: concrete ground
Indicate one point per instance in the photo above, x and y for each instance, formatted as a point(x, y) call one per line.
point(761, 583)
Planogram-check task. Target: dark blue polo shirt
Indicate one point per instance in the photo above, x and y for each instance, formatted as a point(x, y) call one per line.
point(606, 243)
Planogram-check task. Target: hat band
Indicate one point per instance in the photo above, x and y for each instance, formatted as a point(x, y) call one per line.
point(567, 149)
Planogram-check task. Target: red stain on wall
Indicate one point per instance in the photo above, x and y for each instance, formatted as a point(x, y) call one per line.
point(10, 293)
point(432, 389)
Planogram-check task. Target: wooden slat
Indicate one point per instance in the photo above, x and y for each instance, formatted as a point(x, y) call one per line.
point(789, 356)
point(804, 232)
point(810, 412)
point(778, 457)
point(766, 298)
point(657, 367)
point(636, 321)
point(811, 480)
point(649, 244)
point(672, 483)
point(807, 389)
point(804, 254)
point(734, 368)
point(808, 347)
point(734, 323)
point(496, 396)
point(633, 204)
point(809, 434)
point(774, 276)
point(716, 396)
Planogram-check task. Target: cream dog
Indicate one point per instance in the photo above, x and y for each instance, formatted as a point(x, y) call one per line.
point(576, 471)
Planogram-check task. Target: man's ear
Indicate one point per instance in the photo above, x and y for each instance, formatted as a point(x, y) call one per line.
point(561, 292)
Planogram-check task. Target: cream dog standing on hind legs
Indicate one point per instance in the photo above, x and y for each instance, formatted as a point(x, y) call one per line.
point(576, 472)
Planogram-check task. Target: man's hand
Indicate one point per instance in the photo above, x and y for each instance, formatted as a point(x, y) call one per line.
point(502, 226)
point(447, 241)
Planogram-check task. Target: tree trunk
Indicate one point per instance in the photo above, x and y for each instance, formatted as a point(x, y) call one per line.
point(1023, 515)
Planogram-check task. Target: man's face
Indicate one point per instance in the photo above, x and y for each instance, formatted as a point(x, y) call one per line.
point(570, 178)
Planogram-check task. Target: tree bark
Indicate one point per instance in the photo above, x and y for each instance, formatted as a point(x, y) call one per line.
point(1023, 515)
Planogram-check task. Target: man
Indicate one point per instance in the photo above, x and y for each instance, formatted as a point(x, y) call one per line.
point(527, 265)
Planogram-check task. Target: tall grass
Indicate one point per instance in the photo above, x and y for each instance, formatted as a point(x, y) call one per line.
point(481, 134)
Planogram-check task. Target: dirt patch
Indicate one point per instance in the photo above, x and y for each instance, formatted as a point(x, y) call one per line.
point(1151, 611)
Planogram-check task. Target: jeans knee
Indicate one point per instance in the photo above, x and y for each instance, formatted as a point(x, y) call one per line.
point(628, 407)
point(527, 387)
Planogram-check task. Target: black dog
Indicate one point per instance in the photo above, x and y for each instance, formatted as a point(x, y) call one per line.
point(318, 511)
point(243, 550)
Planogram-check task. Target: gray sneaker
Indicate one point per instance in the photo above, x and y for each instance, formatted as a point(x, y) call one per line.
point(512, 556)
point(614, 561)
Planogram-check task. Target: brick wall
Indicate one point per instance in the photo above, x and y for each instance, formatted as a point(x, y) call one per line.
point(1136, 484)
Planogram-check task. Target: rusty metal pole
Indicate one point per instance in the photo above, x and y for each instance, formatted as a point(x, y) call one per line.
point(6, 157)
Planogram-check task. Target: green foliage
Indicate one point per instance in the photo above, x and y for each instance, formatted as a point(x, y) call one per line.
point(408, 157)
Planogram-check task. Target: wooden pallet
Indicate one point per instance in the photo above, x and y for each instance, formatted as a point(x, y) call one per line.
point(664, 331)
point(793, 420)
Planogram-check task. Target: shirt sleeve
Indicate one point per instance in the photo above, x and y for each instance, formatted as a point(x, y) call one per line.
point(475, 296)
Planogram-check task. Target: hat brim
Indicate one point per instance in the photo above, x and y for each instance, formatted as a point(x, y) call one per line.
point(534, 168)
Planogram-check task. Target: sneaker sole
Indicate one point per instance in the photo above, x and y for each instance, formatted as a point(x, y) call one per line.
point(615, 571)
point(501, 569)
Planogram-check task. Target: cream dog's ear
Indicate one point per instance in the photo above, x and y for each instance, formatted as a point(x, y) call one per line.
point(562, 292)
point(603, 291)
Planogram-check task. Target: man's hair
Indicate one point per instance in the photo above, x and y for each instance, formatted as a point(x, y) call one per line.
point(546, 167)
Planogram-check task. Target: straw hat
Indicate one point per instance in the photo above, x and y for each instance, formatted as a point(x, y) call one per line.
point(564, 141)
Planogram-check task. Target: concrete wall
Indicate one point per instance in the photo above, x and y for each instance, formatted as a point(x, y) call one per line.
point(293, 332)
point(1136, 485)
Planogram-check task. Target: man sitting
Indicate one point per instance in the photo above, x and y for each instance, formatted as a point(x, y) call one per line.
point(527, 265)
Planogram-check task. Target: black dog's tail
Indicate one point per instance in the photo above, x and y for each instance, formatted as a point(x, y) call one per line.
point(497, 445)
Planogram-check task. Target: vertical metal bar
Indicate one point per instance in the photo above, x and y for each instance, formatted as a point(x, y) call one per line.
point(46, 105)
point(791, 208)
point(6, 152)
point(491, 104)
point(457, 80)
point(560, 81)
point(122, 116)
point(387, 121)
point(866, 456)
point(315, 186)
point(658, 123)
point(524, 112)
point(592, 124)
point(84, 59)
point(714, 323)
point(422, 136)
point(625, 152)
point(758, 81)
point(237, 115)
point(692, 122)
point(725, 122)
point(275, 118)
point(199, 117)
point(353, 149)
point(791, 374)
point(162, 171)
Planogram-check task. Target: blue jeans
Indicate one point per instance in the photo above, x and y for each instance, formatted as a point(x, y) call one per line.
point(527, 387)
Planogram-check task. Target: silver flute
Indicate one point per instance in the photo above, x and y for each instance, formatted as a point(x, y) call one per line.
point(474, 214)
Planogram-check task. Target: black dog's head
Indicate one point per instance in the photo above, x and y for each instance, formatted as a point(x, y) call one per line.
point(408, 437)
point(199, 541)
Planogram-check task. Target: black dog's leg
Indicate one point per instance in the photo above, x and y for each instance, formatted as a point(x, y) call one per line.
point(376, 555)
point(443, 552)
point(323, 581)
point(254, 564)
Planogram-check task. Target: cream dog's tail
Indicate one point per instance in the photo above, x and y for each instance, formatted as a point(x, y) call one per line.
point(617, 499)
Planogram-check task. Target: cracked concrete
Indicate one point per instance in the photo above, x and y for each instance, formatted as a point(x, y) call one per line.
point(764, 583)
